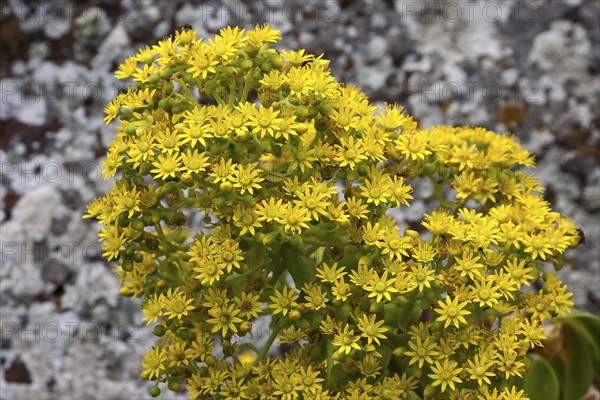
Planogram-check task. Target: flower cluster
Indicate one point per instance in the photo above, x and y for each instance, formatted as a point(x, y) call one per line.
point(251, 186)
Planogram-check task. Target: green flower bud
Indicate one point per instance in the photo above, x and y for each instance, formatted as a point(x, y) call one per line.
point(295, 315)
point(168, 88)
point(296, 240)
point(154, 79)
point(164, 104)
point(179, 218)
point(127, 265)
point(125, 115)
point(166, 73)
point(170, 187)
point(302, 113)
point(326, 109)
point(269, 238)
point(187, 77)
point(245, 327)
point(131, 130)
point(220, 202)
point(145, 168)
point(210, 360)
point(188, 179)
point(247, 200)
point(246, 65)
point(174, 385)
point(159, 330)
point(123, 221)
point(138, 257)
point(154, 391)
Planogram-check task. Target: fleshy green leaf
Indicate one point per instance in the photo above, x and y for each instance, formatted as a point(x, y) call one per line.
point(578, 366)
point(541, 381)
point(302, 270)
point(587, 328)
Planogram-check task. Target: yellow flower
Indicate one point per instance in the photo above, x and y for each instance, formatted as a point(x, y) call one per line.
point(330, 274)
point(153, 308)
point(345, 119)
point(176, 304)
point(193, 161)
point(269, 210)
point(468, 266)
point(311, 201)
point(166, 166)
point(246, 219)
point(445, 374)
point(350, 152)
point(142, 149)
point(309, 379)
point(423, 275)
point(485, 292)
point(438, 221)
point(479, 369)
point(194, 133)
point(113, 242)
point(143, 75)
point(315, 298)
point(283, 301)
point(294, 218)
point(202, 62)
point(111, 110)
point(392, 244)
point(538, 245)
point(413, 146)
point(261, 35)
point(452, 312)
point(154, 363)
point(127, 69)
point(264, 121)
point(422, 350)
point(128, 201)
point(249, 305)
point(210, 270)
point(376, 191)
point(356, 208)
point(380, 287)
point(346, 340)
point(371, 329)
point(393, 117)
point(286, 387)
point(224, 319)
point(247, 178)
point(296, 57)
point(112, 163)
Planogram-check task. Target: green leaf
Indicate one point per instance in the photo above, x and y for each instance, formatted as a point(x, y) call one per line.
point(578, 366)
point(392, 313)
point(541, 381)
point(302, 270)
point(586, 335)
point(386, 356)
point(587, 328)
point(338, 374)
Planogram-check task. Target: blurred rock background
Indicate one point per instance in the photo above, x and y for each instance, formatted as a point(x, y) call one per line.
point(529, 67)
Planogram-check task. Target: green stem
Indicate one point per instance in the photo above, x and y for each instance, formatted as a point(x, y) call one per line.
point(232, 94)
point(329, 360)
point(185, 89)
point(219, 99)
point(260, 356)
point(232, 277)
point(246, 89)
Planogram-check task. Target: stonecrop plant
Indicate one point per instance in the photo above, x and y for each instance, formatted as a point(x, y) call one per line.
point(253, 212)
